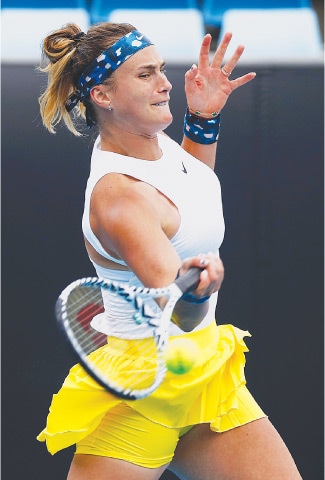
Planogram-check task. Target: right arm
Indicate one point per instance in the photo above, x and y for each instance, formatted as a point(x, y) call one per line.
point(125, 217)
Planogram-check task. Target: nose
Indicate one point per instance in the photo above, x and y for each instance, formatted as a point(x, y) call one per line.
point(165, 84)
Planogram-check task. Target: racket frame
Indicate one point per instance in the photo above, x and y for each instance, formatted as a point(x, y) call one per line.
point(160, 324)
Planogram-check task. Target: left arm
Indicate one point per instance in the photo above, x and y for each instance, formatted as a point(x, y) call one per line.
point(205, 153)
point(207, 88)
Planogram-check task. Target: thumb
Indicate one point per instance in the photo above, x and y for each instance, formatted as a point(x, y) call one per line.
point(191, 73)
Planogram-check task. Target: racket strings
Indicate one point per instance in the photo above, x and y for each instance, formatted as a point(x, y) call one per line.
point(125, 364)
point(82, 305)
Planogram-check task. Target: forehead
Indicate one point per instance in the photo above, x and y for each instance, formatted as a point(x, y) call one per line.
point(148, 56)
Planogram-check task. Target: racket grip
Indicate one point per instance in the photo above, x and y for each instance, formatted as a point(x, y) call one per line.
point(190, 280)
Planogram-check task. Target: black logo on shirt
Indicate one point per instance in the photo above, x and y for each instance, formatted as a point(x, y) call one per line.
point(184, 168)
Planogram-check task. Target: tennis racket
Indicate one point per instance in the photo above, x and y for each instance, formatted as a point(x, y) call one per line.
point(130, 369)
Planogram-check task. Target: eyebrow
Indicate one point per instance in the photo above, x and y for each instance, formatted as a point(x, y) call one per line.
point(151, 66)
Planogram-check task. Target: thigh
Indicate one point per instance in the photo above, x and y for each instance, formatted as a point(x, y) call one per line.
point(126, 442)
point(93, 467)
point(254, 451)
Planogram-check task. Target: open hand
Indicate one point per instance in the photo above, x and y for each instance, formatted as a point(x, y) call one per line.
point(207, 85)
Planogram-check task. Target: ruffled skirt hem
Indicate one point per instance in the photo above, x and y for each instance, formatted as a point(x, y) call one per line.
point(206, 394)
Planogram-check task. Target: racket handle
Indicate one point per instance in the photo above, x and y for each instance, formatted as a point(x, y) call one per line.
point(190, 280)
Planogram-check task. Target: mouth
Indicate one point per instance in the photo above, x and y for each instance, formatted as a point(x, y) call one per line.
point(160, 104)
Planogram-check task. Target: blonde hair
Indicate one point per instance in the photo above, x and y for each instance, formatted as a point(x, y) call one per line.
point(66, 55)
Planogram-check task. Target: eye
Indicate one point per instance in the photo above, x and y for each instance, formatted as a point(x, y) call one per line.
point(144, 75)
point(163, 70)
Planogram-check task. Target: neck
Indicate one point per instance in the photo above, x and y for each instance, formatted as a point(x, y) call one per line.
point(144, 147)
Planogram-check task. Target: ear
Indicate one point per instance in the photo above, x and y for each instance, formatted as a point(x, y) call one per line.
point(100, 96)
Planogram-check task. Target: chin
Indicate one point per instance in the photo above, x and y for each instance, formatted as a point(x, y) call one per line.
point(168, 118)
point(160, 123)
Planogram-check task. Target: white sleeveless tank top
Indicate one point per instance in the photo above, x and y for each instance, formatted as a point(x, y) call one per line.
point(193, 188)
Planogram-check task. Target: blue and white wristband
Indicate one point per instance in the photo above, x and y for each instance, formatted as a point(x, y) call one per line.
point(201, 130)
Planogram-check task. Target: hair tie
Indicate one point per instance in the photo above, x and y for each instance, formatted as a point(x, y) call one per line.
point(78, 36)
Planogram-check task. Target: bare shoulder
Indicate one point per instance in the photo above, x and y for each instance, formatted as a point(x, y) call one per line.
point(119, 204)
point(119, 192)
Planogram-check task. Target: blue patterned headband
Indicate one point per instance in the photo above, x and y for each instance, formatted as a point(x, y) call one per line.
point(104, 65)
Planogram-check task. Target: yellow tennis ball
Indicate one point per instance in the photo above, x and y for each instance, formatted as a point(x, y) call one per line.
point(181, 355)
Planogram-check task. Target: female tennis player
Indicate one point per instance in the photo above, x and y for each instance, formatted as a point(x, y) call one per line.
point(152, 211)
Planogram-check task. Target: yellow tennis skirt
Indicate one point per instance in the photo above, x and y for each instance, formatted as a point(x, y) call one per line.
point(211, 392)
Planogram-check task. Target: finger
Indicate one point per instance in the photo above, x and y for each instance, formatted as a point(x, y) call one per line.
point(207, 286)
point(191, 73)
point(215, 269)
point(221, 50)
point(204, 56)
point(232, 62)
point(238, 82)
point(211, 277)
point(200, 261)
